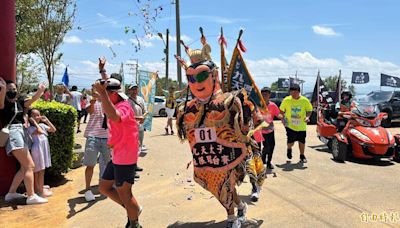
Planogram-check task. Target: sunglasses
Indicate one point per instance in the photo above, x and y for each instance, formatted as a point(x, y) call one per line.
point(200, 77)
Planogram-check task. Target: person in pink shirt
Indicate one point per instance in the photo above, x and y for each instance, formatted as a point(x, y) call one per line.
point(123, 141)
point(268, 133)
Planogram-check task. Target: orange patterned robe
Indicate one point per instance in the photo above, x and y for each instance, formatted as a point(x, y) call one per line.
point(221, 146)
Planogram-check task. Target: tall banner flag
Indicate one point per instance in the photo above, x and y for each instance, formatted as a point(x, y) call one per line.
point(320, 94)
point(224, 64)
point(147, 90)
point(387, 80)
point(338, 90)
point(283, 83)
point(239, 76)
point(65, 78)
point(360, 78)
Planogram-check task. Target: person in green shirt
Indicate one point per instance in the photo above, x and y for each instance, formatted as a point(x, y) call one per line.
point(296, 110)
point(171, 95)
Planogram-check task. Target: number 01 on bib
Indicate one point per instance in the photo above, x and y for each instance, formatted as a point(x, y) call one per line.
point(206, 134)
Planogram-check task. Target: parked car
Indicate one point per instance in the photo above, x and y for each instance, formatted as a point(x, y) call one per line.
point(159, 106)
point(180, 100)
point(387, 101)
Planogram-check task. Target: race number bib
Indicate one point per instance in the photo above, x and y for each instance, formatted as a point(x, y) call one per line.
point(206, 134)
point(296, 121)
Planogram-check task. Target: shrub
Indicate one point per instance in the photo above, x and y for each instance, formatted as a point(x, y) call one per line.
point(62, 141)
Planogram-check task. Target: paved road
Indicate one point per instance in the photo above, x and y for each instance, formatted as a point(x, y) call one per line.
point(320, 193)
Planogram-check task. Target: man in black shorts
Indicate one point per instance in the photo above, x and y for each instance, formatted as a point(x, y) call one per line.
point(296, 110)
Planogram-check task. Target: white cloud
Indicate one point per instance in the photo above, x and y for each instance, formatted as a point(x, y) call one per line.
point(100, 15)
point(307, 60)
point(106, 42)
point(267, 70)
point(324, 31)
point(72, 40)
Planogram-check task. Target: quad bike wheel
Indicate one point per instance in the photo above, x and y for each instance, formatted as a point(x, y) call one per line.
point(339, 150)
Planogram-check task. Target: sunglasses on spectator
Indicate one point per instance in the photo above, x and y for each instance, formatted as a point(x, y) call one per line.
point(200, 77)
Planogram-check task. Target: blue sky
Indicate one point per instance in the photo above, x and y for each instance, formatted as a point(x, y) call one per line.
point(281, 36)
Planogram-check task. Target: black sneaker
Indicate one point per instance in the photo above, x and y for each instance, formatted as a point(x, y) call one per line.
point(289, 153)
point(78, 131)
point(303, 158)
point(166, 131)
point(128, 224)
point(139, 169)
point(270, 166)
point(135, 224)
point(172, 132)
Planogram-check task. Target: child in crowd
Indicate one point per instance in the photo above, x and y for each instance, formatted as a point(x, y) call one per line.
point(40, 126)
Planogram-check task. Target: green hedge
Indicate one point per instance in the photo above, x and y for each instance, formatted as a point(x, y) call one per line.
point(62, 141)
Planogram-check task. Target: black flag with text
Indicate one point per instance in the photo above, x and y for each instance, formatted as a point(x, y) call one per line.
point(360, 78)
point(387, 80)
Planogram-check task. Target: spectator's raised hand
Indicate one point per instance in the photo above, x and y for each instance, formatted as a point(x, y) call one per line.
point(102, 62)
point(3, 84)
point(42, 86)
point(100, 87)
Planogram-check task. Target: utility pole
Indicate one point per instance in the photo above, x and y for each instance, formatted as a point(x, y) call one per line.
point(178, 43)
point(167, 60)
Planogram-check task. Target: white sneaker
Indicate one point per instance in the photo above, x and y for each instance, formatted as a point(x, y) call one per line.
point(241, 213)
point(13, 196)
point(140, 210)
point(35, 199)
point(233, 224)
point(144, 148)
point(255, 196)
point(89, 196)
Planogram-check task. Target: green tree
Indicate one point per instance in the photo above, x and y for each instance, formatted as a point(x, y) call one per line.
point(27, 74)
point(331, 82)
point(54, 18)
point(26, 24)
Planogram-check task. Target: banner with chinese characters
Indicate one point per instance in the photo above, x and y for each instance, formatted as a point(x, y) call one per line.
point(219, 155)
point(147, 90)
point(239, 77)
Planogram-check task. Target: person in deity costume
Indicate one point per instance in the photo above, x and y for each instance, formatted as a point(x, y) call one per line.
point(216, 126)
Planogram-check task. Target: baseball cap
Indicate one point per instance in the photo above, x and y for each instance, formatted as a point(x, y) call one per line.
point(115, 86)
point(134, 85)
point(265, 89)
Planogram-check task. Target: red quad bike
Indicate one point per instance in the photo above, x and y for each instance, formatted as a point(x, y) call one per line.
point(362, 136)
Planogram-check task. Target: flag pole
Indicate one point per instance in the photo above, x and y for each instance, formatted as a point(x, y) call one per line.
point(340, 87)
point(318, 88)
point(223, 62)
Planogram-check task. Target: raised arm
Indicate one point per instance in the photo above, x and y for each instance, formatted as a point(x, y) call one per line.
point(102, 70)
point(36, 96)
point(108, 107)
point(52, 128)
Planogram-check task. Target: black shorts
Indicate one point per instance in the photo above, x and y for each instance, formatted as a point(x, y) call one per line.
point(120, 173)
point(79, 115)
point(293, 136)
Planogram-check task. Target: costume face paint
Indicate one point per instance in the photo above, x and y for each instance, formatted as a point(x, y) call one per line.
point(200, 81)
point(200, 77)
